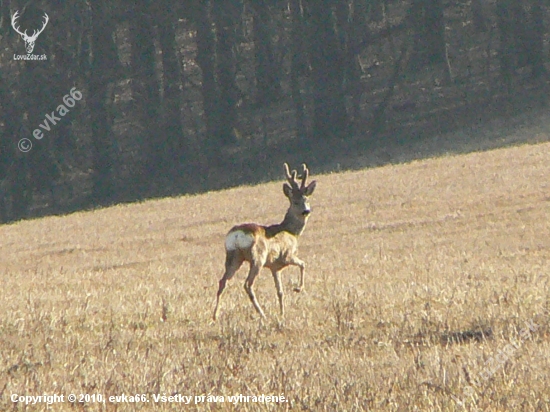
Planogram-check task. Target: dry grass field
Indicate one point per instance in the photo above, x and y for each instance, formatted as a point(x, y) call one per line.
point(421, 279)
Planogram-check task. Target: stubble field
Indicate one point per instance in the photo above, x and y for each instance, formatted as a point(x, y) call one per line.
point(427, 288)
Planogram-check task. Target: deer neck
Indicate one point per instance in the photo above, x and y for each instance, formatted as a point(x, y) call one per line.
point(291, 223)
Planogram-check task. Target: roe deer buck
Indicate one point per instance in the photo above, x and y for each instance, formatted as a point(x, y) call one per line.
point(272, 246)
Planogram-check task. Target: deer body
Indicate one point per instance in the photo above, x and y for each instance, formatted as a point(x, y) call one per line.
point(273, 247)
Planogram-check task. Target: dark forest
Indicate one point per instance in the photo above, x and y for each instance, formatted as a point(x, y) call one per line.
point(121, 101)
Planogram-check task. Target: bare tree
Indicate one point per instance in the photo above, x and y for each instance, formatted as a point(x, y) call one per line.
point(100, 103)
point(327, 62)
point(172, 127)
point(296, 65)
point(429, 30)
point(146, 89)
point(226, 14)
point(268, 86)
point(206, 59)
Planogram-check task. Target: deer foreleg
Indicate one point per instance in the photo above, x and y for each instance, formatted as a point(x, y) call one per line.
point(280, 293)
point(301, 264)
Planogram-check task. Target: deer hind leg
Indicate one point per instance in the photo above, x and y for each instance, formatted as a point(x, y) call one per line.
point(248, 286)
point(302, 265)
point(233, 261)
point(280, 292)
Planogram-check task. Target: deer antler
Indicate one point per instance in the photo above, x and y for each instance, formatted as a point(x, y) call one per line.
point(305, 174)
point(291, 177)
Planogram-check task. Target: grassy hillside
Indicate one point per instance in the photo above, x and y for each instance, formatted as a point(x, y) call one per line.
point(420, 278)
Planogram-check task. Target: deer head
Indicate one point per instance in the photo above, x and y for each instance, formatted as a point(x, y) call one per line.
point(29, 40)
point(298, 194)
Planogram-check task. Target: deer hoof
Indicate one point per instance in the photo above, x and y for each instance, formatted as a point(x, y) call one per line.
point(297, 290)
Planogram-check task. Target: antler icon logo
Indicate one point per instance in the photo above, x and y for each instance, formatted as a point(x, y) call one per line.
point(29, 40)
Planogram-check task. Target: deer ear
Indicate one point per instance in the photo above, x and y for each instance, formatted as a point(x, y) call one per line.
point(310, 188)
point(287, 190)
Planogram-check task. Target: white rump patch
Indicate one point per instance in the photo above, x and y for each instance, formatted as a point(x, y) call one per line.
point(238, 240)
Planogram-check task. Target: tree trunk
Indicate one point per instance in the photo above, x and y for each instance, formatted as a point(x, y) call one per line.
point(535, 39)
point(145, 88)
point(295, 67)
point(352, 27)
point(268, 87)
point(429, 29)
point(206, 55)
point(172, 80)
point(225, 15)
point(11, 159)
point(521, 27)
point(83, 31)
point(327, 62)
point(377, 9)
point(507, 50)
point(100, 102)
point(37, 100)
point(478, 16)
